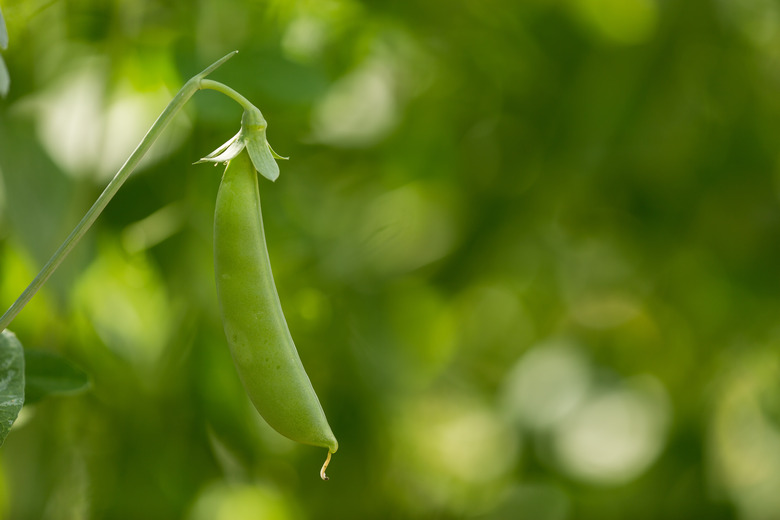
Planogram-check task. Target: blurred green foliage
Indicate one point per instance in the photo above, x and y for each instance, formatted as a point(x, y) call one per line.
point(528, 252)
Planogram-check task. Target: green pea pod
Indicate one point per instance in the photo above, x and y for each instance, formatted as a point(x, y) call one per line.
point(257, 333)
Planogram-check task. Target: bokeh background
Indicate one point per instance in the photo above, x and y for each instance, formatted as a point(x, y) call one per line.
point(528, 250)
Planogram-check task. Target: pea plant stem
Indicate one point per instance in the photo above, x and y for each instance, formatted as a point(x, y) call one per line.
point(224, 89)
point(195, 83)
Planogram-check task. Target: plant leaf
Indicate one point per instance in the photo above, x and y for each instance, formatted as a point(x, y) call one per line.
point(47, 373)
point(11, 381)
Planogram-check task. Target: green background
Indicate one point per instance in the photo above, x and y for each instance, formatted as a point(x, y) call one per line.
point(528, 251)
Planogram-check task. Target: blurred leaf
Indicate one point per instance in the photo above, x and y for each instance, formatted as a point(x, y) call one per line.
point(126, 302)
point(3, 33)
point(11, 381)
point(49, 373)
point(5, 79)
point(41, 204)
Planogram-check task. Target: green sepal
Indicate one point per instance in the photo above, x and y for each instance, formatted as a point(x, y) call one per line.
point(227, 151)
point(253, 125)
point(276, 155)
point(260, 153)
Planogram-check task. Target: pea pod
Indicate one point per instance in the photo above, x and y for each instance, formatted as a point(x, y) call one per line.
point(257, 333)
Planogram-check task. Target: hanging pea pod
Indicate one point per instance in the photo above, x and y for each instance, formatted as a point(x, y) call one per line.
point(257, 333)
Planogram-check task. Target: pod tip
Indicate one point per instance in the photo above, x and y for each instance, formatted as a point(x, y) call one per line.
point(323, 476)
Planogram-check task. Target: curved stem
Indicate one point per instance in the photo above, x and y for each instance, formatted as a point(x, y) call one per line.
point(229, 92)
point(193, 85)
